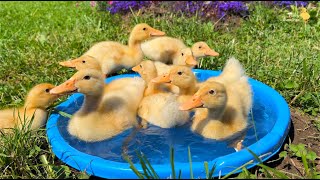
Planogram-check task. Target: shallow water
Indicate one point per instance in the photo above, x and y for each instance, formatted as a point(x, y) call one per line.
point(155, 142)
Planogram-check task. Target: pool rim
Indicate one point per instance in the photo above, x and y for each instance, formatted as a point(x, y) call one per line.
point(94, 165)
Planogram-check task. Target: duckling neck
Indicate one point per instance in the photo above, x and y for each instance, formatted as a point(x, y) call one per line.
point(216, 113)
point(151, 88)
point(90, 104)
point(191, 89)
point(135, 49)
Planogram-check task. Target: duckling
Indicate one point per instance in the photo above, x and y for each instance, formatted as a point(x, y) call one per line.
point(184, 58)
point(168, 49)
point(36, 102)
point(201, 49)
point(113, 56)
point(148, 71)
point(107, 110)
point(82, 63)
point(227, 99)
point(182, 77)
point(158, 107)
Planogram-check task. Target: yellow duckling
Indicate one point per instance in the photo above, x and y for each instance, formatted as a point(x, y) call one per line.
point(113, 56)
point(83, 63)
point(182, 77)
point(148, 71)
point(36, 102)
point(184, 58)
point(158, 107)
point(168, 49)
point(107, 110)
point(228, 100)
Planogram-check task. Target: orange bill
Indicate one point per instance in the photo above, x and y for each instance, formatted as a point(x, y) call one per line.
point(68, 63)
point(66, 87)
point(156, 32)
point(191, 61)
point(136, 68)
point(165, 78)
point(211, 53)
point(193, 103)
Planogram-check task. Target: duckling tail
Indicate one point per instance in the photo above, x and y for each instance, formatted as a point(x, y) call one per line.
point(232, 71)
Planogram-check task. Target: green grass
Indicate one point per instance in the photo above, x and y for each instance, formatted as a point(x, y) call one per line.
point(35, 36)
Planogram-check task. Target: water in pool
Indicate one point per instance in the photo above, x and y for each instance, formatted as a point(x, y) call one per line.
point(155, 142)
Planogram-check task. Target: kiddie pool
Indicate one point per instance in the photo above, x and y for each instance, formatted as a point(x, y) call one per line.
point(270, 123)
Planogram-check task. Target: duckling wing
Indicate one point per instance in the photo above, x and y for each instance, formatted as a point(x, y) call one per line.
point(162, 110)
point(162, 48)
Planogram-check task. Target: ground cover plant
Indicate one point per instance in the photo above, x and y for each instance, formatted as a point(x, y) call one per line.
point(270, 39)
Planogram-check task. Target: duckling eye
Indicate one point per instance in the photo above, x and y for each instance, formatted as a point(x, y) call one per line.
point(179, 73)
point(86, 77)
point(83, 61)
point(47, 90)
point(144, 29)
point(140, 66)
point(181, 54)
point(212, 92)
point(200, 47)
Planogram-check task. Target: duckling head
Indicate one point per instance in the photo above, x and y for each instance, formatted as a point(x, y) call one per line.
point(201, 49)
point(83, 62)
point(179, 75)
point(186, 58)
point(87, 81)
point(39, 96)
point(210, 95)
point(146, 69)
point(143, 32)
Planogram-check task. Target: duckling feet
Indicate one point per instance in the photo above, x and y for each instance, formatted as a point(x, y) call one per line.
point(239, 145)
point(144, 124)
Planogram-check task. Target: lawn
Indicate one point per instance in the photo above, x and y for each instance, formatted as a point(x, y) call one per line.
point(279, 51)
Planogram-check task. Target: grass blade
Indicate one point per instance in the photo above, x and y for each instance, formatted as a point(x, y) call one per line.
point(143, 165)
point(190, 162)
point(155, 175)
point(276, 172)
point(172, 162)
point(212, 171)
point(258, 159)
point(206, 168)
point(132, 167)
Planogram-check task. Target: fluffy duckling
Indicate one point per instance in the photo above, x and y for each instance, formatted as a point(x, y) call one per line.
point(228, 100)
point(82, 63)
point(158, 107)
point(107, 110)
point(113, 56)
point(201, 49)
point(182, 77)
point(148, 71)
point(36, 102)
point(184, 58)
point(168, 49)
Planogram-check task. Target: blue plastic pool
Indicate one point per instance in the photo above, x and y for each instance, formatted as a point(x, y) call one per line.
point(268, 128)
